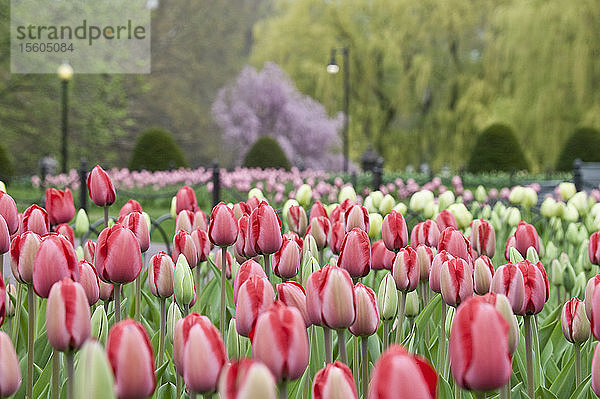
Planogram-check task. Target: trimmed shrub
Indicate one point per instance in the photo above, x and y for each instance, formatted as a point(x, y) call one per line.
point(266, 153)
point(584, 144)
point(497, 149)
point(156, 149)
point(6, 166)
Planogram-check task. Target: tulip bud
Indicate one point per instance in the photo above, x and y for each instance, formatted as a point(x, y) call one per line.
point(515, 256)
point(420, 199)
point(11, 299)
point(99, 324)
point(223, 227)
point(406, 270)
point(255, 296)
point(184, 221)
point(183, 244)
point(508, 281)
point(185, 200)
point(59, 205)
point(236, 344)
point(8, 210)
point(436, 270)
point(446, 219)
point(426, 233)
point(367, 312)
point(309, 266)
point(296, 220)
point(309, 247)
point(100, 187)
point(381, 257)
point(173, 316)
point(93, 375)
point(356, 216)
point(54, 260)
point(387, 298)
point(66, 231)
point(355, 253)
point(36, 219)
point(183, 282)
point(532, 255)
point(456, 281)
point(286, 261)
point(246, 379)
point(596, 371)
point(89, 281)
point(330, 298)
point(482, 275)
point(411, 309)
point(536, 283)
point(118, 257)
point(394, 231)
point(334, 381)
point(293, 294)
point(320, 229)
point(107, 291)
point(575, 325)
point(67, 316)
point(23, 249)
point(82, 223)
point(10, 379)
point(265, 230)
point(202, 244)
point(445, 199)
point(375, 225)
point(347, 192)
point(79, 253)
point(160, 275)
point(424, 259)
point(483, 238)
point(455, 244)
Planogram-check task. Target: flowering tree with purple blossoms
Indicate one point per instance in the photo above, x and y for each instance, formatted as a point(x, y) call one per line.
point(267, 103)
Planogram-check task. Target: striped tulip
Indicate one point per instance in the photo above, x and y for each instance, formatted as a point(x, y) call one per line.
point(240, 209)
point(337, 237)
point(160, 275)
point(394, 231)
point(185, 199)
point(54, 260)
point(320, 229)
point(253, 202)
point(483, 238)
point(574, 322)
point(435, 272)
point(130, 206)
point(594, 248)
point(100, 187)
point(265, 230)
point(424, 259)
point(66, 231)
point(68, 322)
point(10, 372)
point(502, 305)
point(297, 220)
point(36, 219)
point(456, 281)
point(184, 221)
point(255, 296)
point(526, 236)
point(355, 253)
point(330, 299)
point(483, 272)
point(8, 210)
point(183, 244)
point(595, 313)
point(406, 270)
point(247, 269)
point(335, 381)
point(59, 205)
point(200, 221)
point(118, 258)
point(536, 287)
point(246, 379)
point(136, 222)
point(286, 261)
point(202, 244)
point(446, 219)
point(356, 217)
point(596, 370)
point(23, 249)
point(228, 260)
point(4, 237)
point(242, 242)
point(223, 227)
point(456, 244)
point(292, 294)
point(589, 291)
point(3, 301)
point(89, 250)
point(367, 312)
point(425, 233)
point(508, 281)
point(510, 243)
point(381, 257)
point(317, 210)
point(88, 278)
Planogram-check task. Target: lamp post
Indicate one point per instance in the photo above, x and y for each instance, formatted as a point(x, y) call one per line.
point(65, 73)
point(334, 68)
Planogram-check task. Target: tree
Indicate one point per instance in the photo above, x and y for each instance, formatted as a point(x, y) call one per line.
point(268, 103)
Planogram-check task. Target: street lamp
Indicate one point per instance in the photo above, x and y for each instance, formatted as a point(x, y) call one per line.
point(334, 68)
point(65, 73)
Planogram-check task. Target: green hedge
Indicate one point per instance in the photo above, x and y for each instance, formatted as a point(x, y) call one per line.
point(266, 153)
point(584, 144)
point(6, 166)
point(497, 149)
point(156, 149)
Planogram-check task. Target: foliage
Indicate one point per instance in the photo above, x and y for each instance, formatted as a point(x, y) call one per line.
point(6, 166)
point(266, 153)
point(497, 149)
point(268, 103)
point(584, 144)
point(156, 150)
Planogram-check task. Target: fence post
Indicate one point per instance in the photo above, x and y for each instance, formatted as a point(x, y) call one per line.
point(577, 178)
point(377, 172)
point(83, 171)
point(216, 180)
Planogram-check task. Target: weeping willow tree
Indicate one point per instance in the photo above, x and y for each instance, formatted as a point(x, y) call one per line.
point(428, 76)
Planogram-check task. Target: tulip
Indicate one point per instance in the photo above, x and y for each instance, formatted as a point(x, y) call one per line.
point(317, 210)
point(399, 374)
point(229, 261)
point(387, 297)
point(394, 231)
point(589, 291)
point(594, 248)
point(536, 287)
point(99, 324)
point(436, 269)
point(36, 219)
point(183, 244)
point(508, 280)
point(596, 371)
point(23, 249)
point(132, 360)
point(11, 299)
point(246, 379)
point(355, 253)
point(3, 300)
point(100, 187)
point(4, 238)
point(293, 294)
point(456, 281)
point(265, 230)
point(479, 353)
point(575, 324)
point(89, 281)
point(446, 219)
point(200, 221)
point(246, 270)
point(66, 231)
point(202, 244)
point(59, 205)
point(255, 196)
point(130, 206)
point(411, 308)
point(8, 210)
point(286, 261)
point(290, 235)
point(107, 291)
point(483, 272)
point(184, 221)
point(160, 275)
point(424, 260)
point(54, 260)
point(181, 330)
point(93, 377)
point(330, 298)
point(356, 217)
point(426, 233)
point(281, 343)
point(118, 257)
point(89, 251)
point(223, 228)
point(67, 316)
point(243, 246)
point(185, 200)
point(335, 381)
point(483, 238)
point(255, 296)
point(510, 243)
point(203, 357)
point(183, 283)
point(320, 229)
point(135, 222)
point(456, 244)
point(173, 316)
point(240, 209)
point(338, 233)
point(381, 257)
point(297, 220)
point(10, 376)
point(526, 236)
point(367, 312)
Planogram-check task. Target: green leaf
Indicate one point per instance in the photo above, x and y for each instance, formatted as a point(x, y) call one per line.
point(43, 381)
point(544, 393)
point(563, 384)
point(166, 391)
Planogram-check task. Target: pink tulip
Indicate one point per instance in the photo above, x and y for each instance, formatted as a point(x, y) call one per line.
point(508, 281)
point(338, 214)
point(456, 281)
point(595, 313)
point(223, 227)
point(355, 254)
point(594, 248)
point(185, 200)
point(100, 187)
point(66, 231)
point(59, 205)
point(160, 275)
point(446, 219)
point(118, 258)
point(243, 246)
point(394, 231)
point(3, 298)
point(89, 281)
point(68, 322)
point(130, 206)
point(426, 233)
point(290, 235)
point(317, 210)
point(8, 210)
point(265, 230)
point(136, 222)
point(320, 229)
point(510, 243)
point(246, 379)
point(253, 203)
point(22, 252)
point(286, 261)
point(424, 259)
point(10, 371)
point(526, 236)
point(240, 209)
point(4, 237)
point(107, 291)
point(334, 381)
point(54, 260)
point(184, 221)
point(89, 250)
point(456, 244)
point(292, 294)
point(36, 219)
point(574, 322)
point(367, 312)
point(479, 353)
point(589, 291)
point(228, 260)
point(338, 233)
point(483, 272)
point(247, 269)
point(297, 220)
point(132, 360)
point(183, 243)
point(204, 356)
point(281, 342)
point(381, 257)
point(406, 270)
point(255, 296)
point(200, 221)
point(435, 273)
point(202, 244)
point(536, 287)
point(330, 299)
point(596, 370)
point(399, 374)
point(356, 217)
point(483, 237)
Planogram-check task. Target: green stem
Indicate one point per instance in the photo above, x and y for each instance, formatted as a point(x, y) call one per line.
point(321, 257)
point(529, 355)
point(223, 277)
point(15, 332)
point(30, 340)
point(198, 270)
point(55, 374)
point(105, 216)
point(365, 365)
point(186, 310)
point(117, 292)
point(386, 334)
point(163, 328)
point(401, 306)
point(505, 391)
point(577, 364)
point(138, 294)
point(267, 258)
point(355, 359)
point(178, 385)
point(342, 345)
point(480, 395)
point(457, 394)
point(70, 374)
point(327, 339)
point(442, 347)
point(283, 390)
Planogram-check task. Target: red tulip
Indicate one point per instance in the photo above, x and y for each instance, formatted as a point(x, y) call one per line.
point(183, 243)
point(355, 254)
point(8, 210)
point(118, 258)
point(317, 210)
point(253, 202)
point(436, 270)
point(89, 281)
point(596, 370)
point(381, 257)
point(297, 220)
point(356, 217)
point(265, 230)
point(594, 248)
point(290, 235)
point(246, 379)
point(132, 360)
point(320, 229)
point(160, 275)
point(66, 231)
point(508, 281)
point(130, 206)
point(483, 237)
point(89, 250)
point(10, 377)
point(456, 244)
point(424, 259)
point(394, 231)
point(4, 237)
point(54, 260)
point(338, 233)
point(479, 353)
point(406, 270)
point(68, 322)
point(367, 312)
point(286, 261)
point(446, 219)
point(203, 357)
point(202, 244)
point(228, 260)
point(399, 374)
point(100, 187)
point(36, 219)
point(589, 291)
point(255, 296)
point(59, 205)
point(240, 209)
point(338, 214)
point(456, 281)
point(247, 269)
point(23, 249)
point(334, 381)
point(243, 246)
point(330, 299)
point(200, 221)
point(185, 200)
point(426, 233)
point(483, 272)
point(526, 236)
point(281, 342)
point(574, 322)
point(292, 294)
point(2, 300)
point(184, 221)
point(536, 287)
point(107, 291)
point(223, 227)
point(510, 243)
